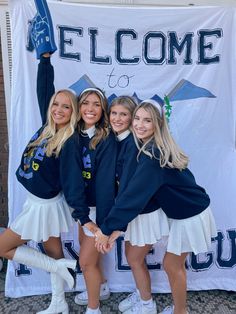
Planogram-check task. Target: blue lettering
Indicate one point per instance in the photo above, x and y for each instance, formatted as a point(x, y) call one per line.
point(40, 153)
point(93, 45)
point(22, 270)
point(174, 45)
point(120, 254)
point(86, 161)
point(169, 44)
point(203, 46)
point(119, 43)
point(68, 42)
point(200, 262)
point(147, 39)
point(23, 174)
point(197, 265)
point(231, 260)
point(69, 246)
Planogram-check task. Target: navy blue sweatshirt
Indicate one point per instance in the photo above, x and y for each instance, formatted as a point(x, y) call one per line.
point(175, 191)
point(99, 175)
point(45, 176)
point(99, 189)
point(126, 161)
point(126, 166)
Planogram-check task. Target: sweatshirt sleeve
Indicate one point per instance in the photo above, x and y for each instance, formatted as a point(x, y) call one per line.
point(129, 165)
point(145, 182)
point(105, 177)
point(45, 86)
point(72, 181)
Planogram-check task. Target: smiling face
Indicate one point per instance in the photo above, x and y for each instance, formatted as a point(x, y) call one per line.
point(120, 118)
point(143, 125)
point(61, 110)
point(91, 110)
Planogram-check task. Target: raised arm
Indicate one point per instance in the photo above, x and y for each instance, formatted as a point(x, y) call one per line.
point(45, 85)
point(41, 38)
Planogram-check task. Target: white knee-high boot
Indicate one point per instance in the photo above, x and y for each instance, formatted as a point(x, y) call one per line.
point(31, 257)
point(58, 303)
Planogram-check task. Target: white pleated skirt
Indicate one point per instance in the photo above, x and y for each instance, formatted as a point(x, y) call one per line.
point(43, 218)
point(192, 234)
point(147, 228)
point(92, 216)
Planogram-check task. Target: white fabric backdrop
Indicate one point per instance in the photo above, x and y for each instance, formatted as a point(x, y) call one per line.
point(202, 124)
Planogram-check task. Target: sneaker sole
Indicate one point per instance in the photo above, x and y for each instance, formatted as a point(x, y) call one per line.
point(124, 308)
point(85, 302)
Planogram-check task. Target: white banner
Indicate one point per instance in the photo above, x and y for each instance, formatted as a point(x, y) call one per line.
point(187, 53)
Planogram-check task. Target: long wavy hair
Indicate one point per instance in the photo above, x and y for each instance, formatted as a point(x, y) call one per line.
point(170, 153)
point(102, 129)
point(54, 139)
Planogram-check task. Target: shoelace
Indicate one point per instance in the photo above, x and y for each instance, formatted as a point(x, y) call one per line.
point(84, 294)
point(166, 309)
point(137, 307)
point(133, 297)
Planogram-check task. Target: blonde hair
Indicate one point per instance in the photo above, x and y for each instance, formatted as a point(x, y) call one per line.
point(56, 138)
point(170, 153)
point(126, 101)
point(102, 126)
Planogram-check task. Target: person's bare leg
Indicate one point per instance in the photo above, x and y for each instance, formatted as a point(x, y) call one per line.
point(136, 258)
point(11, 247)
point(9, 241)
point(174, 266)
point(100, 260)
point(53, 247)
point(101, 267)
point(89, 261)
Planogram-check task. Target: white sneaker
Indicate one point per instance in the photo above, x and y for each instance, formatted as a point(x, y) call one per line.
point(139, 308)
point(129, 302)
point(89, 311)
point(168, 310)
point(82, 298)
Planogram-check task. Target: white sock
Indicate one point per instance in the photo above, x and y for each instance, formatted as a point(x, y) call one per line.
point(92, 311)
point(147, 303)
point(103, 285)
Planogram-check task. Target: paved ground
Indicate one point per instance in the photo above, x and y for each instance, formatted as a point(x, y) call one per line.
point(205, 302)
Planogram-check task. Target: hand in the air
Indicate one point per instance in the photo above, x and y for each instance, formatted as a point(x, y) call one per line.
point(40, 31)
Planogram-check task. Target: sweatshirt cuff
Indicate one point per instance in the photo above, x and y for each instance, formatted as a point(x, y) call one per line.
point(45, 60)
point(82, 220)
point(106, 230)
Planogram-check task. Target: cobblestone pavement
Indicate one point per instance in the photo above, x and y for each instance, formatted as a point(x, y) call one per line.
point(199, 302)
